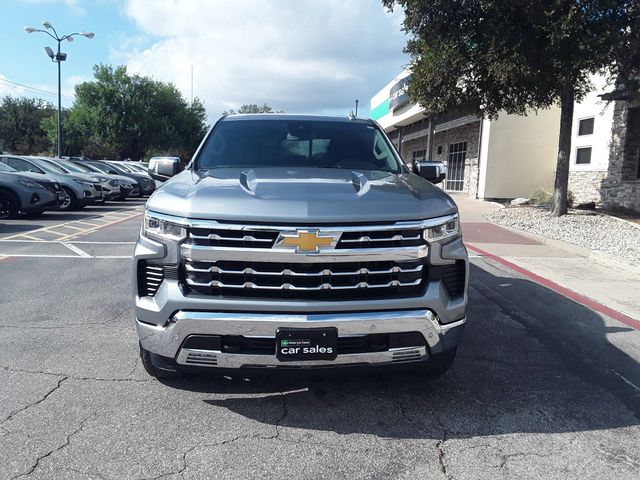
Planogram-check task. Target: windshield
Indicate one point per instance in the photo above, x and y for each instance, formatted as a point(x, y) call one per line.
point(6, 168)
point(119, 169)
point(88, 168)
point(50, 167)
point(297, 143)
point(72, 167)
point(104, 168)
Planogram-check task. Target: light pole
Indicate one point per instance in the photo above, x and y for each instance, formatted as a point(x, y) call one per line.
point(58, 58)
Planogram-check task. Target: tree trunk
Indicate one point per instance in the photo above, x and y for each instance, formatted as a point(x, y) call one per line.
point(561, 184)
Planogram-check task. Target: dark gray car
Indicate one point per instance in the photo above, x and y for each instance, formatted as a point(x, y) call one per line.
point(27, 193)
point(80, 190)
point(146, 183)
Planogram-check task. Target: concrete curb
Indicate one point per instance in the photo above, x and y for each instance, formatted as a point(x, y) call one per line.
point(566, 292)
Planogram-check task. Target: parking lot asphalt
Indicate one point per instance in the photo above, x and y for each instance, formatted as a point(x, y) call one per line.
point(542, 387)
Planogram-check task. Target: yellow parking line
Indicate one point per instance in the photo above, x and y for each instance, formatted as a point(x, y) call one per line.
point(26, 236)
point(99, 222)
point(47, 230)
point(91, 230)
point(72, 227)
point(87, 223)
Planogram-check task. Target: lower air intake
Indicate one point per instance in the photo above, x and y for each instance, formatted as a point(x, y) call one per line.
point(201, 358)
point(406, 356)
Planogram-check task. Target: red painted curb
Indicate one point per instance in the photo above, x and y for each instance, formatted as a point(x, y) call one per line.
point(576, 297)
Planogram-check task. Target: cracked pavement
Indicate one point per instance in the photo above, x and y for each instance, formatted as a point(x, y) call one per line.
point(541, 388)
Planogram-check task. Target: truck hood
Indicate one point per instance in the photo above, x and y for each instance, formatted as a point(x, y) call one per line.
point(300, 195)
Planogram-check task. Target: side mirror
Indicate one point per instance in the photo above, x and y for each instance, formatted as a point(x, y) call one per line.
point(435, 172)
point(164, 170)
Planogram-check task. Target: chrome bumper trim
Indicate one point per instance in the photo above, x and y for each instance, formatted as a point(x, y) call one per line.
point(166, 339)
point(211, 358)
point(199, 253)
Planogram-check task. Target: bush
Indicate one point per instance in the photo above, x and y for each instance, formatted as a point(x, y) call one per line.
point(542, 197)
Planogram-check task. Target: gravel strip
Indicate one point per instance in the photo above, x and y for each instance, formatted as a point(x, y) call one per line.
point(583, 228)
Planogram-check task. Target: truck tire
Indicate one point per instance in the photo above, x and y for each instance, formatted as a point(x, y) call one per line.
point(145, 357)
point(439, 364)
point(9, 205)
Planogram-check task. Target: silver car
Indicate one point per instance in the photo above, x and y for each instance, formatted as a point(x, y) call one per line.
point(110, 186)
point(295, 243)
point(80, 190)
point(128, 186)
point(27, 193)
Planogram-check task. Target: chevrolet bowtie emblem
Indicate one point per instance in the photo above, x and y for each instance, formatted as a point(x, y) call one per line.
point(306, 241)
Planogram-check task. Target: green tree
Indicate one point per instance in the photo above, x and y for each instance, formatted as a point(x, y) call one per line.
point(21, 125)
point(491, 56)
point(129, 116)
point(252, 108)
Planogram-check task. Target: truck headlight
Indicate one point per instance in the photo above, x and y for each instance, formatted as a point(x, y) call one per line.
point(159, 228)
point(450, 228)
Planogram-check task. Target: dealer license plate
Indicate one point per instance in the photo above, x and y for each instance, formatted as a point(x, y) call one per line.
point(306, 344)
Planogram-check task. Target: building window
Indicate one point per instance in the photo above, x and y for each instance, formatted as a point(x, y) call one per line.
point(583, 155)
point(585, 126)
point(419, 155)
point(439, 149)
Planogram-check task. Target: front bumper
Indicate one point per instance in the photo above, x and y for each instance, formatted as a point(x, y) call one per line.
point(169, 317)
point(167, 340)
point(147, 188)
point(37, 201)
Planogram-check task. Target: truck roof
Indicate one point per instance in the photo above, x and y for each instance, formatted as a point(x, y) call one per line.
point(294, 116)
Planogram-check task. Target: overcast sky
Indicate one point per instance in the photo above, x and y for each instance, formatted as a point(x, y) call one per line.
point(312, 56)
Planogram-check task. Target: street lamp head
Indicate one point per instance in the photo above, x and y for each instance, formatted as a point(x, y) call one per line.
point(89, 35)
point(30, 29)
point(70, 38)
point(49, 52)
point(47, 24)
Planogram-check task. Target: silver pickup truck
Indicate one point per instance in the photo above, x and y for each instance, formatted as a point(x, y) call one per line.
point(296, 243)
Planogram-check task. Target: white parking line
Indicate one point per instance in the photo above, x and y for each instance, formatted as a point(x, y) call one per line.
point(75, 249)
point(58, 241)
point(88, 257)
point(95, 223)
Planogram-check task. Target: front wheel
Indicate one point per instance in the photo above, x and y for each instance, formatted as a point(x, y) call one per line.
point(439, 364)
point(9, 205)
point(147, 363)
point(70, 201)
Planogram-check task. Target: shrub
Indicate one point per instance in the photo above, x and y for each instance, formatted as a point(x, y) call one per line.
point(541, 197)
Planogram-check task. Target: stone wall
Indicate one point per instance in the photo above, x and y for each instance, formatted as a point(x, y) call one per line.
point(585, 185)
point(621, 187)
point(466, 133)
point(469, 133)
point(411, 146)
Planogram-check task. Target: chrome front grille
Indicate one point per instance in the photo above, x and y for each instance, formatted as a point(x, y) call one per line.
point(303, 279)
point(266, 238)
point(381, 239)
point(336, 262)
point(232, 238)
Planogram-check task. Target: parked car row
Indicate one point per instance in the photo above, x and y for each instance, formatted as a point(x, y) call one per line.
point(32, 185)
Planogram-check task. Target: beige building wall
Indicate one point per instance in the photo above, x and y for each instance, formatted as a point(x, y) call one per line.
point(518, 154)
